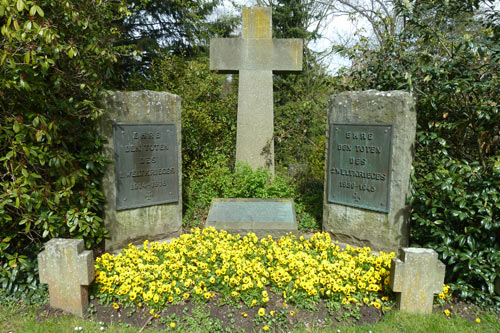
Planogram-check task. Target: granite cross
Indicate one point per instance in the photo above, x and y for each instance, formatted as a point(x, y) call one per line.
point(255, 57)
point(417, 279)
point(68, 270)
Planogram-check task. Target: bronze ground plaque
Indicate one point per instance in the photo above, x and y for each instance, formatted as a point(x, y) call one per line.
point(359, 165)
point(145, 164)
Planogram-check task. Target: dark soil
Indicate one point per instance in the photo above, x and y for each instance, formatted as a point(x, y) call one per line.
point(214, 316)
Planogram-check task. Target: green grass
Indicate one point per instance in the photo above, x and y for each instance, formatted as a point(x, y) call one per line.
point(24, 319)
point(18, 318)
point(403, 322)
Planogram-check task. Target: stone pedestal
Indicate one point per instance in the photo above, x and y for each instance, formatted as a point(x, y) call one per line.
point(375, 211)
point(144, 198)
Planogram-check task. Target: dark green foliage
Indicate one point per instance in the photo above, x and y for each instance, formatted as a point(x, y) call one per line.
point(455, 211)
point(300, 108)
point(209, 105)
point(448, 55)
point(177, 27)
point(222, 182)
point(21, 280)
point(291, 18)
point(55, 57)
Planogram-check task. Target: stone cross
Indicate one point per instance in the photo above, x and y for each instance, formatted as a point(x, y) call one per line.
point(255, 57)
point(417, 279)
point(68, 270)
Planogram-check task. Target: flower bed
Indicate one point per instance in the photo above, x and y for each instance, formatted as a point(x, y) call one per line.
point(205, 263)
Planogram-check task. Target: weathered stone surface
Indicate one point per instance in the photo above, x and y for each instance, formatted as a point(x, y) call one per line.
point(275, 217)
point(362, 227)
point(416, 279)
point(68, 270)
point(230, 55)
point(255, 57)
point(153, 222)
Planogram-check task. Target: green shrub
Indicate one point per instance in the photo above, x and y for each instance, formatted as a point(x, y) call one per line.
point(456, 211)
point(208, 112)
point(221, 182)
point(447, 55)
point(54, 59)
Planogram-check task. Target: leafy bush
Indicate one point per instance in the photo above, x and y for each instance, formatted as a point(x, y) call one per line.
point(54, 59)
point(456, 211)
point(208, 112)
point(221, 182)
point(448, 55)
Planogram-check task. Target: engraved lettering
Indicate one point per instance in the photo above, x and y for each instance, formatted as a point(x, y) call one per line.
point(367, 149)
point(359, 165)
point(357, 161)
point(146, 164)
point(344, 147)
point(359, 135)
point(147, 160)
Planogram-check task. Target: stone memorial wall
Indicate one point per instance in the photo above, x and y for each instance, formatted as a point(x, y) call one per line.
point(142, 184)
point(370, 137)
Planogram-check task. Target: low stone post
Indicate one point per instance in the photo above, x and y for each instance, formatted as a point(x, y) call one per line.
point(416, 279)
point(68, 270)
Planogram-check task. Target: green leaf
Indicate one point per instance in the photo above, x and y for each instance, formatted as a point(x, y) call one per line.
point(20, 5)
point(39, 10)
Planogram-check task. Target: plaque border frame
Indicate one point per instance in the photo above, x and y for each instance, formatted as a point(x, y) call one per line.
point(176, 153)
point(389, 173)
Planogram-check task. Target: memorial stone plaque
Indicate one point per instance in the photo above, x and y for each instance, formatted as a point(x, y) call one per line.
point(145, 164)
point(359, 165)
point(264, 217)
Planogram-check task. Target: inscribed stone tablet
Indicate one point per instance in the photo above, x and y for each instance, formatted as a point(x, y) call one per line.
point(359, 165)
point(261, 216)
point(145, 164)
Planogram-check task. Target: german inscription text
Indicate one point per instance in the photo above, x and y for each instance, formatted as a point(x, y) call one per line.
point(359, 165)
point(145, 164)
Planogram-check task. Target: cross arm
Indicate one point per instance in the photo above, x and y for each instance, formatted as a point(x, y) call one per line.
point(225, 54)
point(287, 55)
point(397, 275)
point(229, 55)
